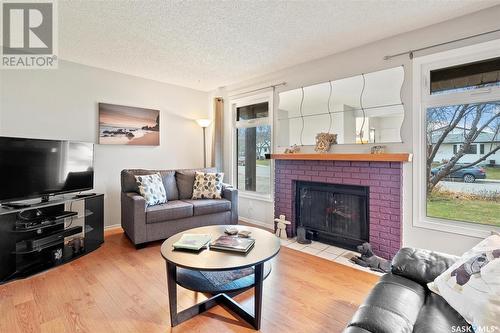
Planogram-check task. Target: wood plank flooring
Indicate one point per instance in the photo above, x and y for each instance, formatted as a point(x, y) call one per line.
point(120, 289)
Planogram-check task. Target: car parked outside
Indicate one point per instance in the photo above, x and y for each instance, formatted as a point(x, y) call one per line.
point(468, 175)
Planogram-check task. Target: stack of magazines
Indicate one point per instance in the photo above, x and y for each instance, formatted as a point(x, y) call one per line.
point(232, 243)
point(194, 242)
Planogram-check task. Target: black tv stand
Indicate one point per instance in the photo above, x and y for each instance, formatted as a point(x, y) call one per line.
point(13, 205)
point(37, 237)
point(20, 205)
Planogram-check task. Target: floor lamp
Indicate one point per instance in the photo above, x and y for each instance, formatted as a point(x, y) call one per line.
point(204, 123)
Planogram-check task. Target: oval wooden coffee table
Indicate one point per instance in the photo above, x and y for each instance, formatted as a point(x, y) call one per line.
point(184, 268)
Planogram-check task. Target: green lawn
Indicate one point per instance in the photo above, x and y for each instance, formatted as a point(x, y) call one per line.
point(264, 162)
point(477, 211)
point(492, 173)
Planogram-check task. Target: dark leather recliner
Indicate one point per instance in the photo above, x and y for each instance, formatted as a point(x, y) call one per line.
point(401, 302)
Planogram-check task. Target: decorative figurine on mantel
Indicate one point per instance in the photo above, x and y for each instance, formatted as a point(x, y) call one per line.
point(281, 224)
point(324, 141)
point(378, 149)
point(292, 149)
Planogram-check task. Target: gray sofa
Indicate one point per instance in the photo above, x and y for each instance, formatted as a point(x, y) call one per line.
point(145, 224)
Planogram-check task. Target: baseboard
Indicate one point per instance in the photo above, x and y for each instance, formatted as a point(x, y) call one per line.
point(113, 226)
point(257, 222)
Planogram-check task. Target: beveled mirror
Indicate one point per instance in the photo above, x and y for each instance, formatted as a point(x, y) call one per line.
point(365, 108)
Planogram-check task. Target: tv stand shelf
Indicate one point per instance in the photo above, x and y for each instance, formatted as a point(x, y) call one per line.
point(64, 228)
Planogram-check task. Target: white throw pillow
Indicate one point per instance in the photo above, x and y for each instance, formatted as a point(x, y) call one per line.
point(152, 189)
point(472, 285)
point(207, 185)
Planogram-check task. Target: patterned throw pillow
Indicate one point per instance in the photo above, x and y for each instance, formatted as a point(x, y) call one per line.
point(207, 185)
point(152, 189)
point(472, 285)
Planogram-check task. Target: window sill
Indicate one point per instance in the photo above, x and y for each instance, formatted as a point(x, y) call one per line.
point(254, 196)
point(456, 227)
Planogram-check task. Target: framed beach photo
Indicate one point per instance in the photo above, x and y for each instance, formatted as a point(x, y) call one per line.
point(126, 125)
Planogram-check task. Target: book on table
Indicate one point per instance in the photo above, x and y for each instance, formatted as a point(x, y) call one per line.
point(232, 243)
point(193, 242)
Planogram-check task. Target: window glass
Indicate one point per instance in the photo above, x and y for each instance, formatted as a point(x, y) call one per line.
point(254, 111)
point(462, 184)
point(254, 170)
point(469, 76)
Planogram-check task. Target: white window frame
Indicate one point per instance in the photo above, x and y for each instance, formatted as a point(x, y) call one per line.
point(266, 96)
point(422, 99)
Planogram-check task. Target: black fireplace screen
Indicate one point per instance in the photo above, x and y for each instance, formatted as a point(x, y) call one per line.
point(336, 214)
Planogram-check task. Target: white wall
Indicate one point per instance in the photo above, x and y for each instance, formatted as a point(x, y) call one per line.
point(366, 59)
point(62, 104)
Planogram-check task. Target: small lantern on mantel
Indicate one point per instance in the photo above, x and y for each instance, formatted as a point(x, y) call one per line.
point(281, 224)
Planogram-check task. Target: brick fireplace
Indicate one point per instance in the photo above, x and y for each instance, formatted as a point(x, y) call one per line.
point(383, 180)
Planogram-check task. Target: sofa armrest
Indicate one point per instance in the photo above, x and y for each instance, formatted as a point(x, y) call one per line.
point(420, 265)
point(231, 194)
point(133, 208)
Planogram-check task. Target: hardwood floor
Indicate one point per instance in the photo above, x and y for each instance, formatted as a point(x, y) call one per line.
point(120, 289)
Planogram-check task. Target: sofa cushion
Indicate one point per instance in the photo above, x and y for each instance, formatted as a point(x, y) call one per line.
point(209, 206)
point(392, 306)
point(129, 183)
point(438, 316)
point(172, 210)
point(420, 265)
point(185, 181)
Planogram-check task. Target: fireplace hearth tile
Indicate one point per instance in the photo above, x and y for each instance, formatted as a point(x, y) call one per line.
point(335, 250)
point(331, 253)
point(310, 250)
point(318, 245)
point(327, 255)
point(296, 246)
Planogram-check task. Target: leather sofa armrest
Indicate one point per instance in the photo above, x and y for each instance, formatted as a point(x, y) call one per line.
point(420, 265)
point(231, 194)
point(133, 209)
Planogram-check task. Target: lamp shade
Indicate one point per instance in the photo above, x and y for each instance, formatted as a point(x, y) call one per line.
point(203, 122)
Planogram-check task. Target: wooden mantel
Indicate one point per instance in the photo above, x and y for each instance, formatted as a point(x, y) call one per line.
point(387, 157)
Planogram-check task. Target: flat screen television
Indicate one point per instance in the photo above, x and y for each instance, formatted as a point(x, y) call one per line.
point(34, 168)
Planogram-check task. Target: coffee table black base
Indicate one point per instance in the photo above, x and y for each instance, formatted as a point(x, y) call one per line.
point(220, 299)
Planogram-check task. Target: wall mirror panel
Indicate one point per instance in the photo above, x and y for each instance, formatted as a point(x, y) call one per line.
point(365, 108)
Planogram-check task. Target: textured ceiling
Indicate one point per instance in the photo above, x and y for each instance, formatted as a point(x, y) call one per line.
point(207, 44)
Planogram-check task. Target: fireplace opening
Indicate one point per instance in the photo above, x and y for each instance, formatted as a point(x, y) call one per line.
point(333, 213)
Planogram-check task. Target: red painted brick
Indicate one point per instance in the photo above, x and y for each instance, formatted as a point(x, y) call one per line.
point(319, 167)
point(369, 170)
point(396, 165)
point(380, 164)
point(395, 231)
point(361, 175)
point(318, 179)
point(370, 182)
point(351, 169)
point(388, 171)
point(334, 180)
point(380, 177)
point(334, 169)
point(351, 181)
point(360, 164)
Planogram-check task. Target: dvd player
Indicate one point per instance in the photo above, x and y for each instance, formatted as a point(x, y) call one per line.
point(52, 238)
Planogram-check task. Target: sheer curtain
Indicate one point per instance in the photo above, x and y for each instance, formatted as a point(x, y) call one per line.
point(217, 133)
